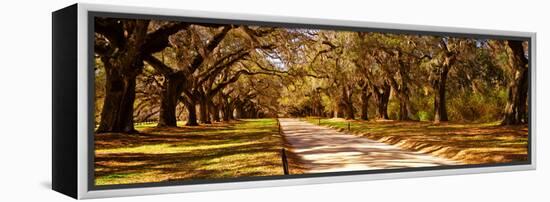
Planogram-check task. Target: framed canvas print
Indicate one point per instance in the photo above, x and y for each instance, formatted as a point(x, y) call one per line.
point(152, 101)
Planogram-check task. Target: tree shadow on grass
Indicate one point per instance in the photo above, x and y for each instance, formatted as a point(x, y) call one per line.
point(184, 154)
point(154, 135)
point(474, 143)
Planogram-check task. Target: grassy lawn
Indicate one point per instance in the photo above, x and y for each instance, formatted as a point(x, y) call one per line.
point(468, 143)
point(228, 150)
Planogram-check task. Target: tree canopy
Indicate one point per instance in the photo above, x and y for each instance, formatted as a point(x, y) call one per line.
point(201, 73)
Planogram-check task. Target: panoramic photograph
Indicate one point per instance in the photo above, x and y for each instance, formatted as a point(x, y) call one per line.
point(180, 101)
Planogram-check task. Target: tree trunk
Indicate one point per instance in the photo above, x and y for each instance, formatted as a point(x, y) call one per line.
point(316, 106)
point(403, 96)
point(403, 91)
point(365, 96)
point(347, 102)
point(403, 106)
point(121, 72)
point(383, 97)
point(214, 112)
point(226, 116)
point(203, 115)
point(440, 101)
point(245, 111)
point(226, 112)
point(118, 106)
point(350, 114)
point(224, 107)
point(169, 100)
point(250, 111)
point(238, 110)
point(518, 87)
point(383, 107)
point(191, 113)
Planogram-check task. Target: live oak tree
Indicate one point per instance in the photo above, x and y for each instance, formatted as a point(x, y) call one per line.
point(121, 46)
point(512, 57)
point(203, 73)
point(399, 67)
point(393, 55)
point(181, 79)
point(446, 61)
point(204, 69)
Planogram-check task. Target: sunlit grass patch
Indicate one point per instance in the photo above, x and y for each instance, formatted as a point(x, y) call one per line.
point(139, 126)
point(474, 143)
point(243, 148)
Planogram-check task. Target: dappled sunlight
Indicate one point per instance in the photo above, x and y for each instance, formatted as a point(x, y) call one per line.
point(472, 143)
point(327, 150)
point(170, 148)
point(244, 148)
point(182, 101)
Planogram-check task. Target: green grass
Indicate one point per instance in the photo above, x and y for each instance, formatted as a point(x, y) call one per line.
point(145, 125)
point(474, 143)
point(243, 148)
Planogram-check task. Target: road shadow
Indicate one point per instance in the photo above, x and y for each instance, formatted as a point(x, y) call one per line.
point(326, 150)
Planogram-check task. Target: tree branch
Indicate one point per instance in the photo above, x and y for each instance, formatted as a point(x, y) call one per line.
point(111, 29)
point(158, 65)
point(216, 40)
point(158, 40)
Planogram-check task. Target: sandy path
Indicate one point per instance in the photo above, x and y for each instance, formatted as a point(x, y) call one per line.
point(328, 150)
